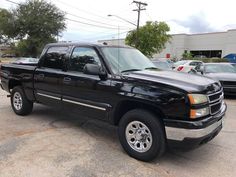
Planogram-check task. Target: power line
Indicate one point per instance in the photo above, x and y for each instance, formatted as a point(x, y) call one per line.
point(85, 23)
point(140, 6)
point(90, 13)
point(110, 15)
point(90, 38)
point(92, 20)
point(13, 2)
point(95, 33)
point(108, 26)
point(85, 28)
point(90, 24)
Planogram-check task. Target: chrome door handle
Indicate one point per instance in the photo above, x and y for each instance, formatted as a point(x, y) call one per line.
point(66, 79)
point(40, 76)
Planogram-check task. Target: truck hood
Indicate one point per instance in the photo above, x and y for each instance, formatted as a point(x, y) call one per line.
point(187, 82)
point(223, 76)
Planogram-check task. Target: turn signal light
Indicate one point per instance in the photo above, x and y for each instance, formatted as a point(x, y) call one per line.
point(196, 113)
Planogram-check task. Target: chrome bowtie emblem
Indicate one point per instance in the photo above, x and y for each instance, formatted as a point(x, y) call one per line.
point(215, 87)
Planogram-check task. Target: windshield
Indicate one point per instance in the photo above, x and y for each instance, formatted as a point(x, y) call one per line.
point(217, 68)
point(162, 65)
point(234, 65)
point(182, 62)
point(126, 59)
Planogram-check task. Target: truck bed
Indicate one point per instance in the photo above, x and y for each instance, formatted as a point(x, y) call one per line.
point(18, 72)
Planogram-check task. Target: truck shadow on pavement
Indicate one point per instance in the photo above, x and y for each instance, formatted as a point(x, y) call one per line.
point(230, 97)
point(102, 131)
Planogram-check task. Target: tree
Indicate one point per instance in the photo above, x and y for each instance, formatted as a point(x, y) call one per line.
point(7, 26)
point(187, 55)
point(35, 23)
point(152, 38)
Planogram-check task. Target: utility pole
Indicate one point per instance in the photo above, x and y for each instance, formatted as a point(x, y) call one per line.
point(140, 7)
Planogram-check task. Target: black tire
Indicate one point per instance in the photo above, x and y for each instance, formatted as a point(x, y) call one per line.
point(158, 145)
point(26, 106)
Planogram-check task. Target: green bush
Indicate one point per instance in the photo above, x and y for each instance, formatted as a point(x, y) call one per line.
point(210, 60)
point(187, 56)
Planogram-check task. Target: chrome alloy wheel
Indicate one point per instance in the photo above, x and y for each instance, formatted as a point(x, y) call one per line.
point(17, 101)
point(138, 136)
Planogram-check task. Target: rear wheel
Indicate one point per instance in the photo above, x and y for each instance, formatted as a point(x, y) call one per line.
point(142, 135)
point(20, 104)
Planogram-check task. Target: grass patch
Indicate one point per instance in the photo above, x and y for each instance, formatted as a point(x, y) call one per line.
point(6, 60)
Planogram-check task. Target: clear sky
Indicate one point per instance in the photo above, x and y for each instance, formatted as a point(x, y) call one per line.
point(183, 16)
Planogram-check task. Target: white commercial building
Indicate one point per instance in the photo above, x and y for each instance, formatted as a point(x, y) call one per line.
point(218, 44)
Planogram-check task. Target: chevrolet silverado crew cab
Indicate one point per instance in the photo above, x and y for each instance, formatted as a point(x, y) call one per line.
point(153, 109)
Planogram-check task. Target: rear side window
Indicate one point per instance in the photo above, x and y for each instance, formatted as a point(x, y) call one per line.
point(54, 57)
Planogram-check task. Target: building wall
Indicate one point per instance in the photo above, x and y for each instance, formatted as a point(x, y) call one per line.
point(230, 44)
point(175, 47)
point(225, 41)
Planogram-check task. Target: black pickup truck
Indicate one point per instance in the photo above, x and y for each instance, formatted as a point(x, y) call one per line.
point(153, 109)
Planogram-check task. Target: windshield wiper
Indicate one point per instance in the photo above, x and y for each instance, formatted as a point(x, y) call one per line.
point(130, 70)
point(152, 68)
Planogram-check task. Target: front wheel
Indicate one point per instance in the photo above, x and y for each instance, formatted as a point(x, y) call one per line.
point(20, 104)
point(142, 135)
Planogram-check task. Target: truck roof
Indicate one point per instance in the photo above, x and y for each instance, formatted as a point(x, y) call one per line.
point(84, 43)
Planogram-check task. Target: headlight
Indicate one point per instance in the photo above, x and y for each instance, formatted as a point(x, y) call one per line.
point(196, 113)
point(197, 98)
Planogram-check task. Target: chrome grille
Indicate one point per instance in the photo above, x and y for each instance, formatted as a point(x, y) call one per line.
point(216, 100)
point(215, 108)
point(228, 83)
point(215, 96)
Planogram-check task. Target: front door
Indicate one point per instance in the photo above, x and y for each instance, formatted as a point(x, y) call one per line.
point(85, 94)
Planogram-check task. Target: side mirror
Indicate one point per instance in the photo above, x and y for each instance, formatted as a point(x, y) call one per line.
point(94, 69)
point(193, 71)
point(201, 70)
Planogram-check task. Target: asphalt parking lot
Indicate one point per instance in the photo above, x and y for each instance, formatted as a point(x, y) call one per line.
point(52, 143)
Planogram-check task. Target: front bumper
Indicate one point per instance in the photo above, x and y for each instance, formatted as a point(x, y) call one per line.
point(194, 133)
point(1, 84)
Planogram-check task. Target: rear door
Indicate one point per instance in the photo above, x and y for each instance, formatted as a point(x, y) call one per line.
point(48, 77)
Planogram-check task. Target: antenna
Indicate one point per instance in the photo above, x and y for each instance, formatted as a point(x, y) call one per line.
point(118, 48)
point(118, 35)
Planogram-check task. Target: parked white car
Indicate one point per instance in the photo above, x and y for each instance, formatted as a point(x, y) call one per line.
point(187, 65)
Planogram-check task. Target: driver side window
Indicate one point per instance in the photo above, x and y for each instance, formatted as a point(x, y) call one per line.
point(82, 56)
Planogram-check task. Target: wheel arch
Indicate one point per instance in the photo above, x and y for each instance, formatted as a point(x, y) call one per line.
point(127, 105)
point(13, 83)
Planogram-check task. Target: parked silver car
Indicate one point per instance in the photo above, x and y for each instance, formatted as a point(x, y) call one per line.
point(187, 65)
point(162, 64)
point(224, 72)
point(26, 61)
